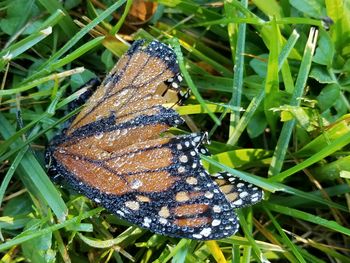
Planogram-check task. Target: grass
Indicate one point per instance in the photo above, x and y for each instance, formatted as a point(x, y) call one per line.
point(270, 83)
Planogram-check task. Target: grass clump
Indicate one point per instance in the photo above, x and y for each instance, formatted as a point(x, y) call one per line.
point(270, 83)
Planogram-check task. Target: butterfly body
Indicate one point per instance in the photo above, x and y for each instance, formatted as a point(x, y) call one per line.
point(115, 152)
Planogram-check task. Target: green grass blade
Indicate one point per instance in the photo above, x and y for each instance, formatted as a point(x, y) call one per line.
point(10, 172)
point(285, 238)
point(238, 73)
point(43, 69)
point(35, 83)
point(22, 46)
point(255, 102)
point(334, 146)
point(283, 140)
point(258, 255)
point(66, 23)
point(189, 81)
point(272, 78)
point(308, 217)
point(32, 172)
point(33, 234)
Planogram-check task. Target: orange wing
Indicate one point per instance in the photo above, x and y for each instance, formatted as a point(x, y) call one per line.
point(114, 153)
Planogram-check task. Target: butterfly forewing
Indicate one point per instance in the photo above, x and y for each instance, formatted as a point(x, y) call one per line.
point(133, 80)
point(114, 153)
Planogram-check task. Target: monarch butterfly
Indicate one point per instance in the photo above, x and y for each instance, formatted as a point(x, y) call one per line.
point(115, 152)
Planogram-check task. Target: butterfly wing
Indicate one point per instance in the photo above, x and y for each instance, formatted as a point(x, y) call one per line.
point(114, 154)
point(238, 192)
point(154, 185)
point(129, 89)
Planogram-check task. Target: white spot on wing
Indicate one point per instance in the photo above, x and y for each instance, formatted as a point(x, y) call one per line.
point(135, 184)
point(216, 209)
point(198, 236)
point(146, 222)
point(208, 194)
point(163, 221)
point(206, 232)
point(133, 205)
point(183, 159)
point(216, 222)
point(191, 180)
point(243, 194)
point(238, 202)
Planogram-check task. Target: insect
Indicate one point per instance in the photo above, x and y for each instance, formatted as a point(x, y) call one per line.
point(118, 153)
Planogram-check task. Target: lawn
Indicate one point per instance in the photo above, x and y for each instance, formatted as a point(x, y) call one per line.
point(269, 82)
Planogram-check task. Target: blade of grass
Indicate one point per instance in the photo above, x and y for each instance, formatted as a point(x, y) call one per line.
point(285, 238)
point(10, 172)
point(220, 68)
point(237, 44)
point(61, 246)
point(272, 79)
point(259, 22)
point(308, 217)
point(32, 173)
point(36, 136)
point(110, 242)
point(182, 243)
point(258, 255)
point(336, 130)
point(182, 253)
point(242, 241)
point(26, 236)
point(216, 251)
point(189, 81)
point(334, 146)
point(247, 250)
point(235, 254)
point(67, 24)
point(239, 71)
point(198, 109)
point(283, 140)
point(331, 251)
point(296, 201)
point(121, 20)
point(253, 179)
point(77, 53)
point(199, 13)
point(255, 102)
point(269, 7)
point(22, 46)
point(35, 83)
point(200, 43)
point(227, 21)
point(44, 68)
point(270, 234)
point(52, 20)
point(49, 112)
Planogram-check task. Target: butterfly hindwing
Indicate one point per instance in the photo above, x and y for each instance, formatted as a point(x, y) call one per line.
point(174, 196)
point(238, 192)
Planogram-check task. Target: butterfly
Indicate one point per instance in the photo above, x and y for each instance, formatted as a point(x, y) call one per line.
point(118, 153)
